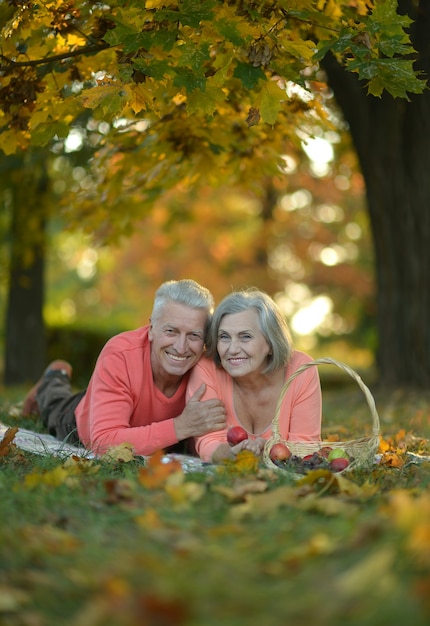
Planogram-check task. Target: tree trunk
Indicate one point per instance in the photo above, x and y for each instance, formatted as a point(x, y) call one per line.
point(392, 139)
point(25, 342)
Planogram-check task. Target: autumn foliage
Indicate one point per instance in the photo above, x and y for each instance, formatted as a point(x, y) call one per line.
point(196, 89)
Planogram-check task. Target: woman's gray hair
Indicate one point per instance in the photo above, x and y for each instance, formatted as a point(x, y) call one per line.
point(186, 292)
point(272, 324)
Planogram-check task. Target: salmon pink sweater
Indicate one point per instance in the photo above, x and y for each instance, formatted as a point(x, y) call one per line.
point(300, 416)
point(122, 404)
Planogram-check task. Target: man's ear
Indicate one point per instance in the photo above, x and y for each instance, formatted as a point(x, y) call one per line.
point(150, 334)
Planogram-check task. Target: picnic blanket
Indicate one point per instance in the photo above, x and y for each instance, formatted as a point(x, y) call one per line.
point(40, 443)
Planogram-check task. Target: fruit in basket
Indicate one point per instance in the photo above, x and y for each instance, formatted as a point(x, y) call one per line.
point(236, 434)
point(325, 451)
point(310, 462)
point(279, 452)
point(339, 464)
point(337, 453)
point(313, 461)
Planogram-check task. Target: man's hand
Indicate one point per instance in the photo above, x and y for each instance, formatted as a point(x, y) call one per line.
point(200, 416)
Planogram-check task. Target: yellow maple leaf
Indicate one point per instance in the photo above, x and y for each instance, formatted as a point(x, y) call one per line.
point(53, 478)
point(269, 101)
point(122, 453)
point(93, 97)
point(12, 140)
point(245, 461)
point(140, 97)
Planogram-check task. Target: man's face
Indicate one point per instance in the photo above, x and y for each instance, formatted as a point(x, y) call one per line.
point(177, 339)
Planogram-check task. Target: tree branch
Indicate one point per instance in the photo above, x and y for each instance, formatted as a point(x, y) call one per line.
point(57, 57)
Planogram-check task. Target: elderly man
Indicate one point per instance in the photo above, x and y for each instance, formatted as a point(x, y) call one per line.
point(136, 393)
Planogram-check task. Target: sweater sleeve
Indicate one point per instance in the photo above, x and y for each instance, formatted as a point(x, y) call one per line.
point(205, 372)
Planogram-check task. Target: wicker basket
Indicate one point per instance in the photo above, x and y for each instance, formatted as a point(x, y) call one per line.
point(361, 450)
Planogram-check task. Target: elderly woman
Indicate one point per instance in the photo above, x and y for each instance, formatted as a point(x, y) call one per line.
point(249, 357)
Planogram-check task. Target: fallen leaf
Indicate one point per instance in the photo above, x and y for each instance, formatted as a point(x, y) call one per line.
point(392, 459)
point(80, 465)
point(329, 505)
point(149, 520)
point(240, 489)
point(411, 513)
point(48, 538)
point(118, 491)
point(53, 478)
point(263, 505)
point(123, 453)
point(319, 543)
point(5, 443)
point(157, 471)
point(371, 574)
point(186, 493)
point(245, 462)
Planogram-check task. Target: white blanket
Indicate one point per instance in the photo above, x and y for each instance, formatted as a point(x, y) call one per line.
point(39, 443)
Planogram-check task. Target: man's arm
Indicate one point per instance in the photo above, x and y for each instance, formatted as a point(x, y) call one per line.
point(200, 416)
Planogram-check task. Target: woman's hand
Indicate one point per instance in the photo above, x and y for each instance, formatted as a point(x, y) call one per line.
point(224, 451)
point(254, 445)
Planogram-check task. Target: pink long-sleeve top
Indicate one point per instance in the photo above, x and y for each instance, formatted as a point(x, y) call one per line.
point(300, 414)
point(122, 404)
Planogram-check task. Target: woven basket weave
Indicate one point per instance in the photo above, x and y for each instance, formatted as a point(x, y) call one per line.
point(362, 450)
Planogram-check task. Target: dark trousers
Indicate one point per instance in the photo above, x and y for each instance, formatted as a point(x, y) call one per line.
point(57, 403)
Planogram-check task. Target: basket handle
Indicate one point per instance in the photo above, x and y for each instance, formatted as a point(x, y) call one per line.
point(322, 361)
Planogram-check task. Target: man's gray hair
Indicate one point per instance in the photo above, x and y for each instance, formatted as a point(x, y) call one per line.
point(187, 292)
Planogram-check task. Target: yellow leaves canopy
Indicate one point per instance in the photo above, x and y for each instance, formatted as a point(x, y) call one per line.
point(223, 58)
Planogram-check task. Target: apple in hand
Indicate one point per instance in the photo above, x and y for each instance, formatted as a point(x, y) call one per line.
point(236, 434)
point(279, 452)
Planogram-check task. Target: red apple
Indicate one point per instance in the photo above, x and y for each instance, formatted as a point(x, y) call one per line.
point(339, 464)
point(236, 434)
point(279, 452)
point(308, 457)
point(325, 451)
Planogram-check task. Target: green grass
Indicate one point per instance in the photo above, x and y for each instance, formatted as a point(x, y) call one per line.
point(95, 543)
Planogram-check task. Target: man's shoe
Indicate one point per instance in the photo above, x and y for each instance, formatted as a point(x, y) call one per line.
point(30, 406)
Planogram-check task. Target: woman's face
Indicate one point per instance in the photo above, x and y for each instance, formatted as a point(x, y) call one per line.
point(241, 345)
